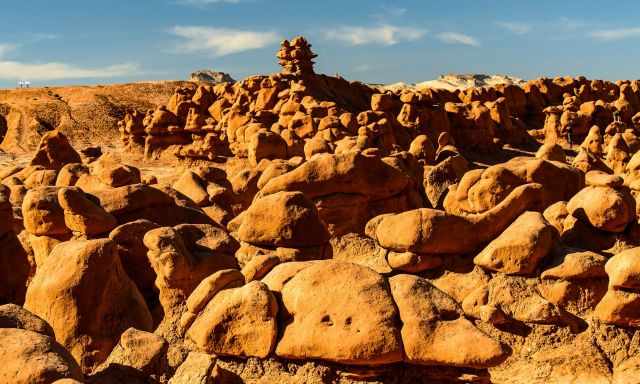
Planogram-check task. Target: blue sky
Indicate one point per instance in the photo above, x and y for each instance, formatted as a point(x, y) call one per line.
point(90, 41)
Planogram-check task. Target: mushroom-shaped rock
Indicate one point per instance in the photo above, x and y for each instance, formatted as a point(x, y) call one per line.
point(284, 219)
point(82, 290)
point(624, 270)
point(340, 312)
point(55, 151)
point(521, 247)
point(42, 212)
point(435, 333)
point(429, 231)
point(32, 358)
point(82, 214)
point(605, 208)
point(238, 322)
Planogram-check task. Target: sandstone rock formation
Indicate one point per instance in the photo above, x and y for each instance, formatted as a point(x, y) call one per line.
point(298, 227)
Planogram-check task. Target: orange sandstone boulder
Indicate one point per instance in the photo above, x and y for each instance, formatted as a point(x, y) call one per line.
point(604, 208)
point(434, 331)
point(248, 317)
point(284, 219)
point(351, 320)
point(83, 214)
point(33, 358)
point(521, 247)
point(55, 151)
point(81, 289)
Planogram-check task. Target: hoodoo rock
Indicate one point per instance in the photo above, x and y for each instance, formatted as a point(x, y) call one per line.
point(55, 151)
point(82, 290)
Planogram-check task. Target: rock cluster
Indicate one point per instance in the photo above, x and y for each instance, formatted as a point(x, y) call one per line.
point(309, 229)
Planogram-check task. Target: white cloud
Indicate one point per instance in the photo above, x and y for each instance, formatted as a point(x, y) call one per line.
point(363, 68)
point(615, 34)
point(13, 70)
point(222, 41)
point(384, 34)
point(514, 27)
point(458, 38)
point(6, 48)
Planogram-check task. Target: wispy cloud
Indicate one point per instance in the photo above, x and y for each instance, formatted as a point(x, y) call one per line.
point(44, 36)
point(514, 27)
point(222, 41)
point(615, 34)
point(6, 48)
point(362, 68)
point(458, 38)
point(14, 70)
point(384, 34)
